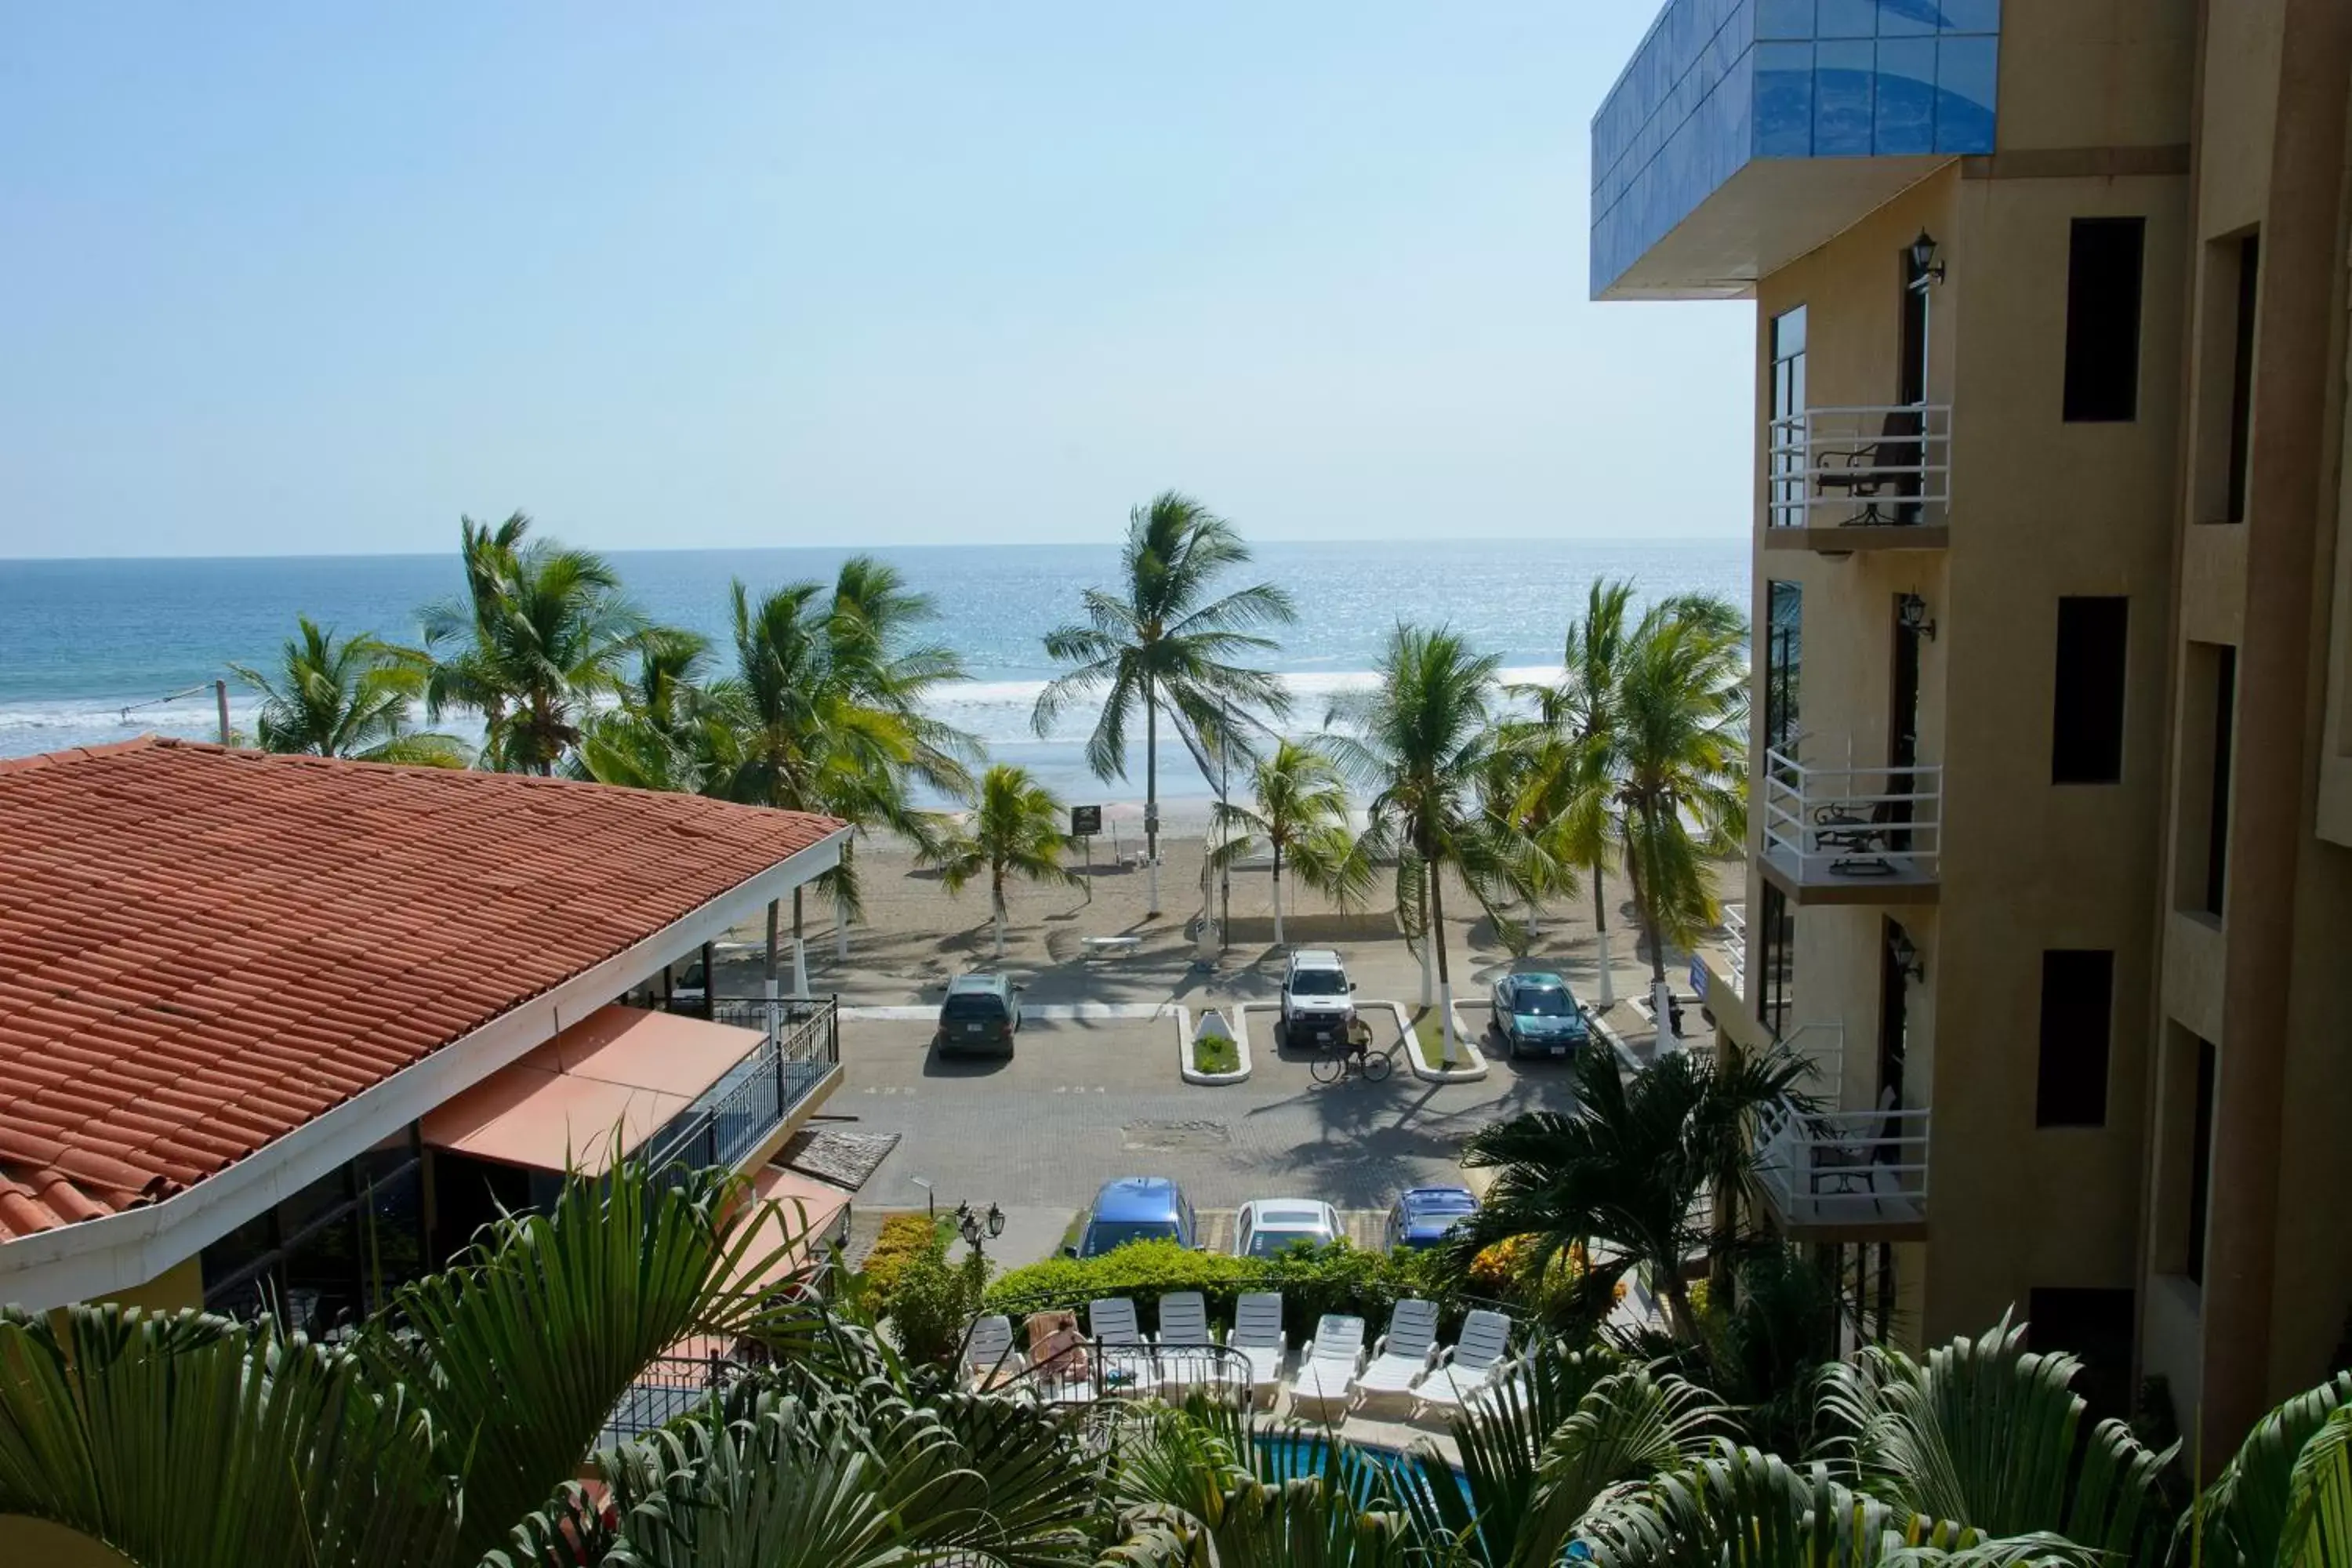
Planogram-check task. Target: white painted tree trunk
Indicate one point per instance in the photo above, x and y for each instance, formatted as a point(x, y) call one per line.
point(1278, 909)
point(1661, 994)
point(1152, 882)
point(998, 902)
point(800, 967)
point(1428, 936)
point(1445, 1017)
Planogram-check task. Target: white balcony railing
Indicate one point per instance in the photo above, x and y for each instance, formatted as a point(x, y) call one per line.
point(1888, 465)
point(1853, 1168)
point(1826, 825)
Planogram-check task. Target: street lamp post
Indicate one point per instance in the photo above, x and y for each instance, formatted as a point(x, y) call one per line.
point(977, 1228)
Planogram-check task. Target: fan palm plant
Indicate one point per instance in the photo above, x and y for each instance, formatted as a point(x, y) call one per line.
point(1423, 740)
point(1014, 829)
point(1298, 811)
point(540, 634)
point(347, 698)
point(1678, 760)
point(1161, 643)
point(1631, 1168)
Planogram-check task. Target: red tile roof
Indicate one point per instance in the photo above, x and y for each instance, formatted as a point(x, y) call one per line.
point(202, 949)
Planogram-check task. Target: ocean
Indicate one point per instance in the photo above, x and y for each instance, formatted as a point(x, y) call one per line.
point(89, 649)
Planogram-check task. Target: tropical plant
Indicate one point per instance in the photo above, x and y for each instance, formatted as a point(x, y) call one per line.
point(1013, 829)
point(539, 636)
point(1297, 811)
point(1423, 739)
point(1161, 643)
point(1628, 1171)
point(350, 698)
point(2285, 1500)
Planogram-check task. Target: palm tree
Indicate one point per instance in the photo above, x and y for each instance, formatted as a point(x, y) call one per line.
point(1629, 1169)
point(1299, 810)
point(540, 635)
point(347, 699)
point(1159, 642)
point(1679, 762)
point(1425, 739)
point(1566, 784)
point(1014, 829)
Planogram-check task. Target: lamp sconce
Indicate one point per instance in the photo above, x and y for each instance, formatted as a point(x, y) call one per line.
point(1906, 954)
point(1925, 268)
point(973, 1226)
point(1911, 615)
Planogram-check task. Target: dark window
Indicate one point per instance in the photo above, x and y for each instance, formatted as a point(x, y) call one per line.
point(2077, 1005)
point(1784, 654)
point(2086, 736)
point(1778, 960)
point(322, 1256)
point(2201, 1157)
point(1787, 445)
point(2241, 374)
point(2103, 269)
point(2096, 1325)
point(2217, 826)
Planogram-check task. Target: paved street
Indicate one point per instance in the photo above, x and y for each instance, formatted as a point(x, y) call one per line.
point(1080, 1104)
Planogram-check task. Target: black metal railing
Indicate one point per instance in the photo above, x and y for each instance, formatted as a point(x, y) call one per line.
point(1082, 1371)
point(735, 1115)
point(669, 1386)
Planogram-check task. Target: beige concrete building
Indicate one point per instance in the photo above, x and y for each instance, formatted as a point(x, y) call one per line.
point(2049, 780)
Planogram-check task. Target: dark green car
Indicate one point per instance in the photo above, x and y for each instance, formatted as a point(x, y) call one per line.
point(983, 1013)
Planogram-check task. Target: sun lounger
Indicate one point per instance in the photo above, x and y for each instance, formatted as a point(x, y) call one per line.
point(1258, 1334)
point(1184, 1325)
point(1329, 1366)
point(988, 1358)
point(1465, 1367)
point(1128, 1366)
point(1400, 1356)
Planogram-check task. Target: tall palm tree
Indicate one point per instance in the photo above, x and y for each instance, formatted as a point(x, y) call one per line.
point(1679, 760)
point(1161, 643)
point(1299, 810)
point(1629, 1170)
point(1424, 738)
point(1014, 829)
point(350, 698)
point(539, 635)
point(1566, 787)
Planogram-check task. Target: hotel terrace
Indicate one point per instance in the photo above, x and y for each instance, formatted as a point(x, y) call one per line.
point(279, 1028)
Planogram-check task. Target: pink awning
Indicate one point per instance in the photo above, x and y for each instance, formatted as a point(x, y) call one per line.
point(557, 1109)
point(805, 1211)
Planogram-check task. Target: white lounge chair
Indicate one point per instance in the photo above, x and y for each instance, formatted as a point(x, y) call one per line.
point(1329, 1368)
point(1184, 1326)
point(1258, 1334)
point(1125, 1350)
point(1400, 1356)
point(988, 1358)
point(1466, 1367)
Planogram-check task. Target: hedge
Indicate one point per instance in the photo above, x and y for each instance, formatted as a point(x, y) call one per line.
point(904, 1238)
point(1313, 1281)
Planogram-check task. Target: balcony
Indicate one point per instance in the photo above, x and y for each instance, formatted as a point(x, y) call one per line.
point(1843, 480)
point(1744, 134)
point(1852, 836)
point(741, 1112)
point(1838, 1176)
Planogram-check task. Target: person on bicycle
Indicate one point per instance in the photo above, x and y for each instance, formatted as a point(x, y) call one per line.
point(1359, 1039)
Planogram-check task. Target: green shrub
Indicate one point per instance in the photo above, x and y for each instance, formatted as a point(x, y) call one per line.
point(1216, 1053)
point(932, 1304)
point(1313, 1281)
point(905, 1238)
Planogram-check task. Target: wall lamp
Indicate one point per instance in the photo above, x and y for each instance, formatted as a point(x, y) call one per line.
point(1911, 615)
point(1906, 954)
point(1925, 268)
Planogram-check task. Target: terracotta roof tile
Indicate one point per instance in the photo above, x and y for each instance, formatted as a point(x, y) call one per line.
point(202, 949)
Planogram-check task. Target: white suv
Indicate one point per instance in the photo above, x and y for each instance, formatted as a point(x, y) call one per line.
point(1318, 1001)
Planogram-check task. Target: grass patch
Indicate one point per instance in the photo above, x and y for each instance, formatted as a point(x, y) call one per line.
point(1216, 1053)
point(1429, 1041)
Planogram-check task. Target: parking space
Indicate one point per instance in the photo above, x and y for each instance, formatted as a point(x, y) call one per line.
point(1081, 1103)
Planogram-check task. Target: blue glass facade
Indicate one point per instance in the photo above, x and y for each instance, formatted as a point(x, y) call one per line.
point(1719, 83)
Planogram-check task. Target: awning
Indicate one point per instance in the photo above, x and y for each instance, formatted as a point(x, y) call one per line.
point(557, 1107)
point(806, 1214)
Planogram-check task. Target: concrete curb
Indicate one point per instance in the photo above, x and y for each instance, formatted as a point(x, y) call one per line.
point(1471, 1074)
point(1184, 1050)
point(1039, 1013)
point(1613, 1040)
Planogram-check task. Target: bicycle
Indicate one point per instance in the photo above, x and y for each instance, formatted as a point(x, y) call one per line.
point(1333, 1067)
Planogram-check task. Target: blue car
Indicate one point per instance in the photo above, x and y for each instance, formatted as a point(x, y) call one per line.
point(1537, 1016)
point(1424, 1216)
point(1136, 1208)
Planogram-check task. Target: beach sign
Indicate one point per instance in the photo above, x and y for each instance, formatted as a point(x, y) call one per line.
point(1085, 821)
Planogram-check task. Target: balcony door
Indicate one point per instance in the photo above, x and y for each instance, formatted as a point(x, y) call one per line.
point(1911, 389)
point(1894, 1009)
point(1788, 440)
point(1903, 723)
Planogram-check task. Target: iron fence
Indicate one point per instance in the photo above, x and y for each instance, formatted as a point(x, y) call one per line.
point(802, 1047)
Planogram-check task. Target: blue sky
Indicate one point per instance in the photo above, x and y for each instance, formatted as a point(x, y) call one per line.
point(317, 279)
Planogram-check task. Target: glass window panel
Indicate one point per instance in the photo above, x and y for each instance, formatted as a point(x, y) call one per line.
point(240, 1249)
point(1908, 18)
point(391, 1235)
point(1784, 18)
point(1841, 98)
point(322, 1277)
point(1971, 16)
point(1847, 19)
point(314, 1202)
point(1965, 83)
point(1906, 96)
point(1784, 100)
